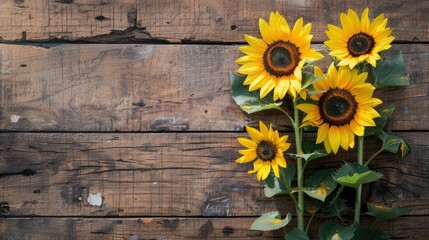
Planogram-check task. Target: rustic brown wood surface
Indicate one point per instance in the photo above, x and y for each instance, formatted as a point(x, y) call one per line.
point(414, 227)
point(155, 88)
point(168, 174)
point(189, 20)
point(137, 140)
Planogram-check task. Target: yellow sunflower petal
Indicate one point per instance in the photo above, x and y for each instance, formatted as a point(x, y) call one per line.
point(364, 120)
point(247, 143)
point(344, 137)
point(259, 174)
point(249, 50)
point(372, 102)
point(284, 26)
point(364, 25)
point(283, 139)
point(375, 24)
point(332, 76)
point(256, 166)
point(282, 86)
point(356, 128)
point(251, 68)
point(267, 87)
point(308, 107)
point(254, 79)
point(258, 81)
point(322, 132)
point(246, 158)
point(265, 31)
point(347, 24)
point(303, 94)
point(327, 145)
point(274, 25)
point(351, 137)
point(354, 19)
point(254, 134)
point(263, 128)
point(247, 151)
point(275, 168)
point(297, 30)
point(281, 161)
point(337, 33)
point(313, 116)
point(256, 42)
point(266, 169)
point(294, 87)
point(334, 138)
point(246, 59)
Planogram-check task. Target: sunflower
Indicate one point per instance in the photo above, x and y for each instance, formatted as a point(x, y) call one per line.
point(359, 40)
point(266, 147)
point(276, 60)
point(344, 107)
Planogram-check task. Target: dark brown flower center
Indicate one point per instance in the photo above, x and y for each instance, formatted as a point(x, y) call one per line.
point(266, 150)
point(337, 107)
point(281, 58)
point(360, 43)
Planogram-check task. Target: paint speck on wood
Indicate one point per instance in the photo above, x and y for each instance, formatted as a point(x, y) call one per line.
point(95, 199)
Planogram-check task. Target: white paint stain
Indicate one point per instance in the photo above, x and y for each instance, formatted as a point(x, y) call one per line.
point(95, 199)
point(14, 118)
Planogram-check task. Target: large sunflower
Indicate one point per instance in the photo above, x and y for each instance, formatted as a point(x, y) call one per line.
point(344, 107)
point(359, 39)
point(276, 60)
point(266, 147)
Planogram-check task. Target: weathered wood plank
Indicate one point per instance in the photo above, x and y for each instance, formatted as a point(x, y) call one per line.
point(415, 227)
point(189, 20)
point(153, 88)
point(168, 174)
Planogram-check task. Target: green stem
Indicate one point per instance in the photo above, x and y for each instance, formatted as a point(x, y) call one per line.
point(359, 189)
point(373, 156)
point(300, 207)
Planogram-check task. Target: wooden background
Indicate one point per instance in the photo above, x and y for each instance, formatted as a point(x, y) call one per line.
point(131, 100)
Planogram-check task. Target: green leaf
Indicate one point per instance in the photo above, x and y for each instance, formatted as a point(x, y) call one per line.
point(308, 79)
point(296, 234)
point(362, 233)
point(391, 72)
point(383, 212)
point(353, 175)
point(334, 209)
point(385, 112)
point(335, 231)
point(270, 221)
point(315, 151)
point(274, 186)
point(322, 184)
point(394, 144)
point(250, 102)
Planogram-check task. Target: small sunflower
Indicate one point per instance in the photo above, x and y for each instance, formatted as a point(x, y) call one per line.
point(344, 107)
point(359, 40)
point(266, 147)
point(276, 60)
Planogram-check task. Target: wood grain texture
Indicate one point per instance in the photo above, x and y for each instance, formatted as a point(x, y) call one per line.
point(190, 20)
point(170, 174)
point(155, 88)
point(415, 227)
